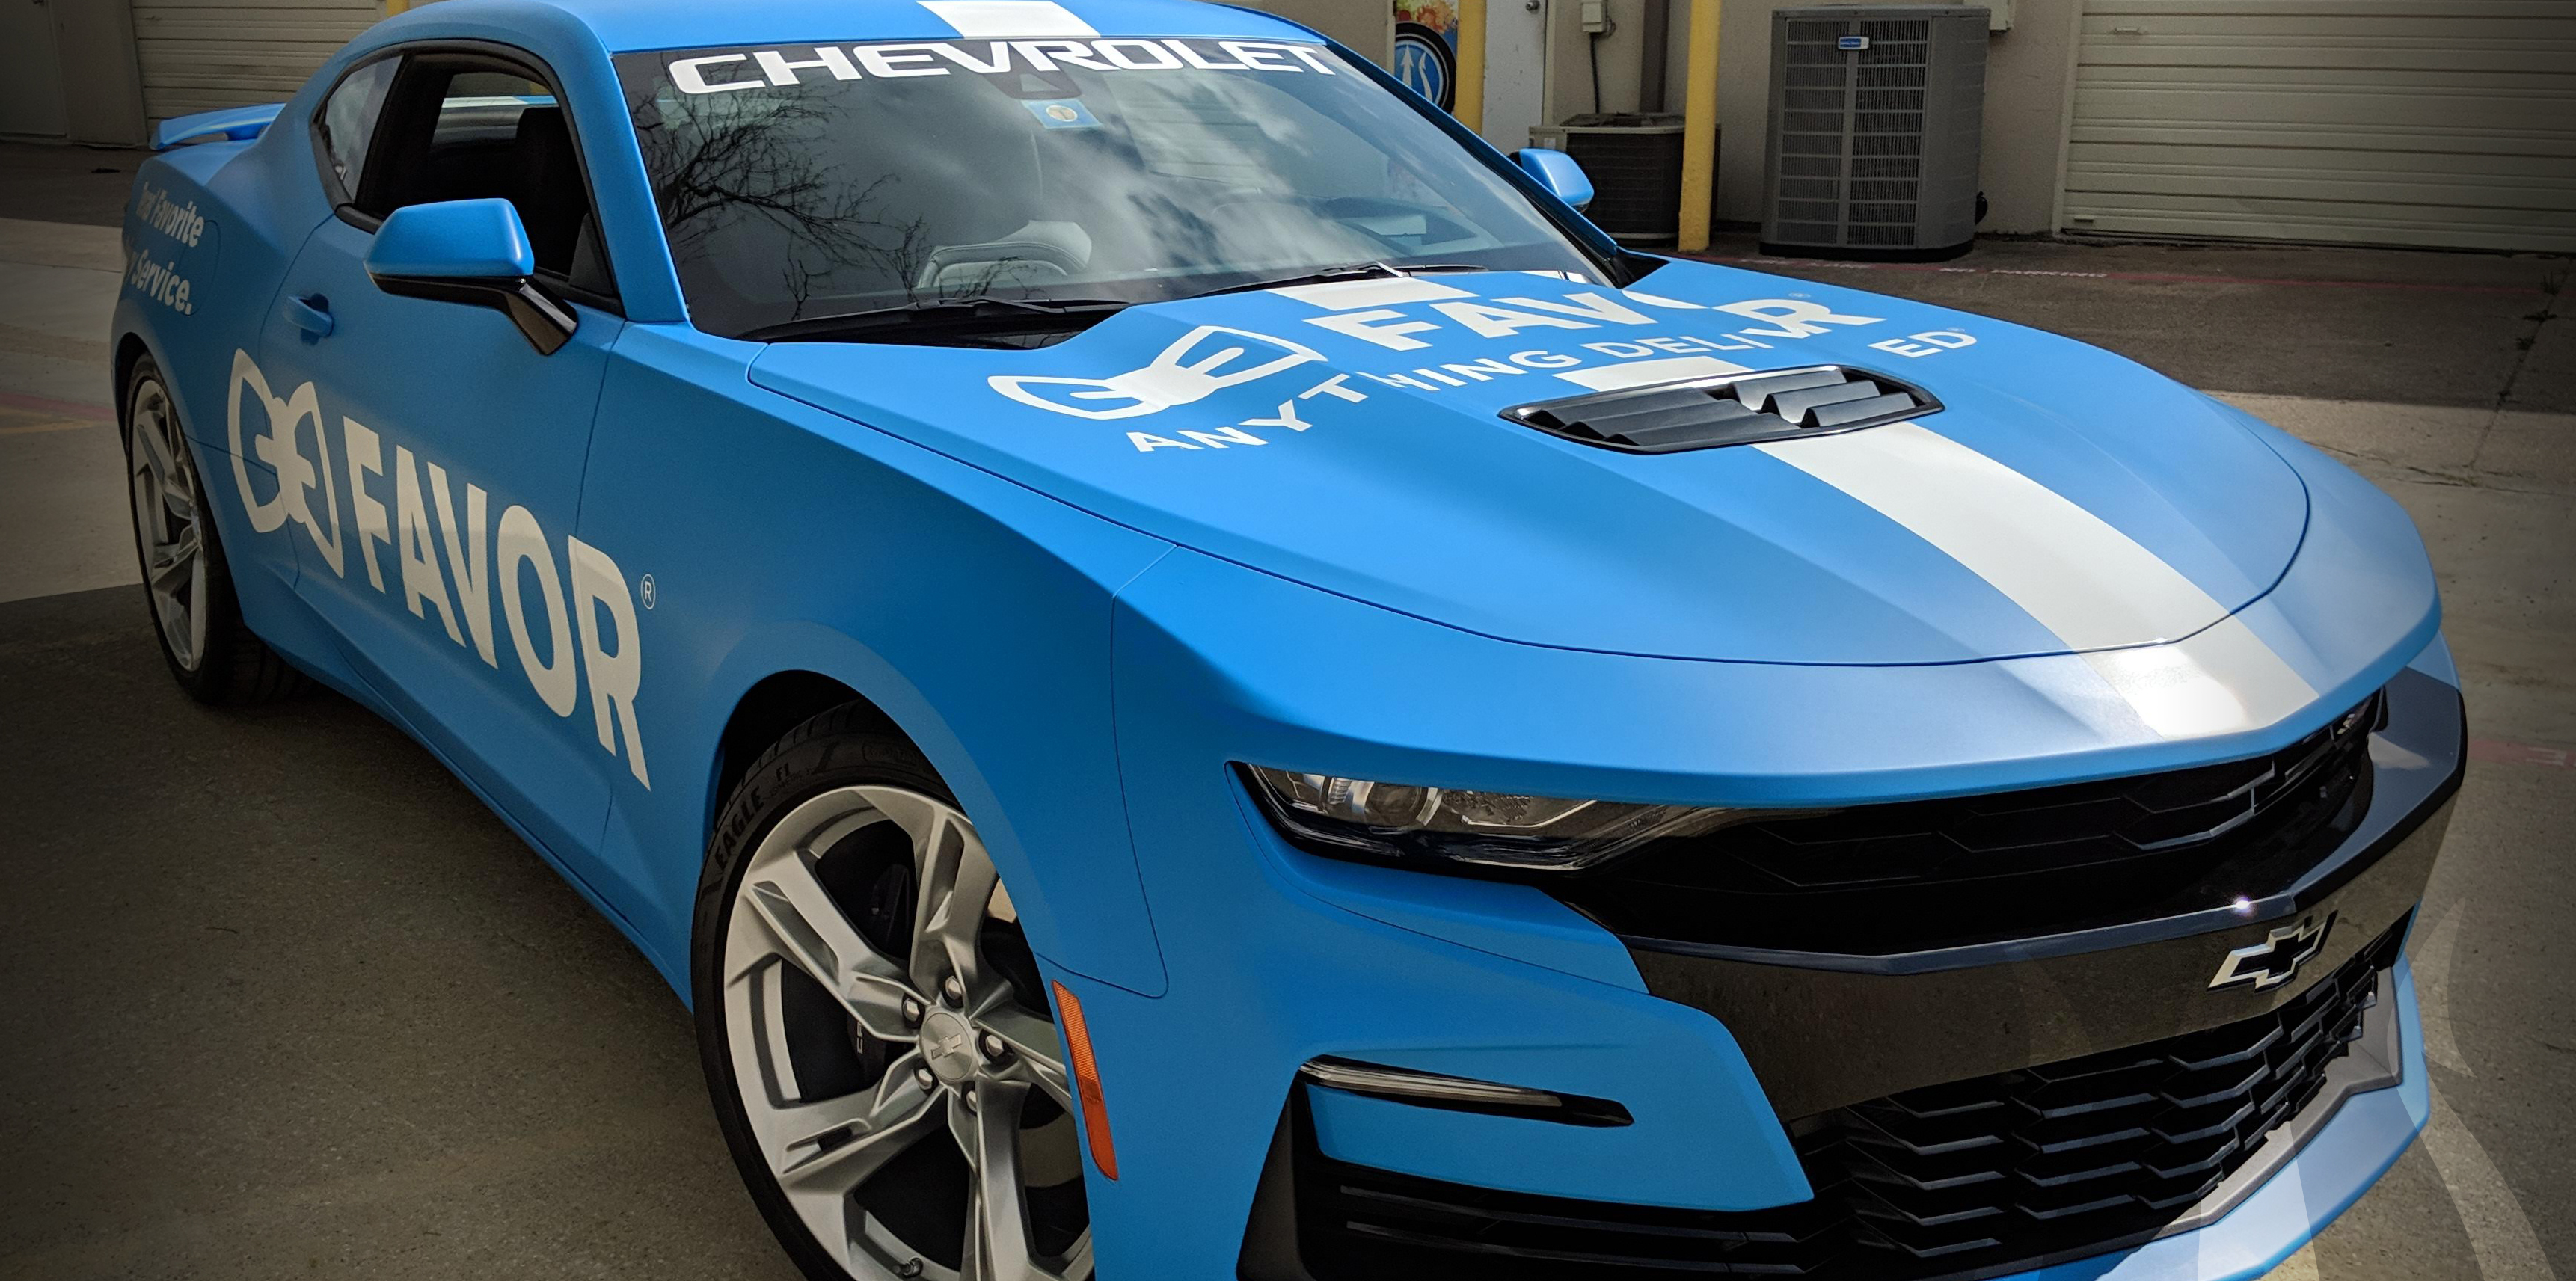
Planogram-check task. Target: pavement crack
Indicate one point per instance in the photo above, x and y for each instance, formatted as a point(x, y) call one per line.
point(2413, 473)
point(2553, 284)
point(2553, 288)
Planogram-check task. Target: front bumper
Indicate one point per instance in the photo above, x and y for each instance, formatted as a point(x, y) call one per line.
point(2098, 1156)
point(1277, 958)
point(2363, 1137)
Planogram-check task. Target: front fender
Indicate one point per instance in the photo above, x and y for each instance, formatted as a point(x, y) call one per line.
point(973, 611)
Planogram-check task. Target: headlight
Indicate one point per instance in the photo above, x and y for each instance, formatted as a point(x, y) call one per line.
point(1348, 817)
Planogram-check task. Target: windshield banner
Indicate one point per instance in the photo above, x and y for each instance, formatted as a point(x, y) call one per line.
point(785, 67)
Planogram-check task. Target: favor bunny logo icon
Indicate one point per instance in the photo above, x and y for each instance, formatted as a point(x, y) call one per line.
point(1205, 361)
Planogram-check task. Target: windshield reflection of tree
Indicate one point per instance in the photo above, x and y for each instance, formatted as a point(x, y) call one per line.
point(720, 162)
point(1217, 173)
point(862, 197)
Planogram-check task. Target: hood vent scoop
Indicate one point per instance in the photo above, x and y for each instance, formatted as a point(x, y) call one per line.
point(1734, 409)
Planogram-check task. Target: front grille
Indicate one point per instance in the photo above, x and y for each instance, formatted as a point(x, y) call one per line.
point(1877, 880)
point(1970, 1179)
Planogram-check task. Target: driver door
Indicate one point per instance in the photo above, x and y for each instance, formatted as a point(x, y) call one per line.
point(457, 449)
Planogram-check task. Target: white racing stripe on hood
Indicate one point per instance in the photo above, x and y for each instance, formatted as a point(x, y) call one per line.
point(1350, 295)
point(2079, 577)
point(2218, 682)
point(1644, 373)
point(1005, 19)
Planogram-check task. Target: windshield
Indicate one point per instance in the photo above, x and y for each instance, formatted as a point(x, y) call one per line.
point(805, 182)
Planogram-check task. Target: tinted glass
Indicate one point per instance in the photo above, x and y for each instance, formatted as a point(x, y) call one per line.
point(801, 182)
point(349, 120)
point(486, 104)
point(470, 130)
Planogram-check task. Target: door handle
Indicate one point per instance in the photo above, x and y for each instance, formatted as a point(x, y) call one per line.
point(311, 313)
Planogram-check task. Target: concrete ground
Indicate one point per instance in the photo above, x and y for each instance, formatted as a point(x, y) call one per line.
point(278, 997)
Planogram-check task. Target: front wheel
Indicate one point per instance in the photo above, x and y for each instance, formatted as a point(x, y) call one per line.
point(876, 1036)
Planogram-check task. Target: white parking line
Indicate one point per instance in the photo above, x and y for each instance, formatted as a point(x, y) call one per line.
point(2500, 1234)
point(2301, 1266)
point(2433, 990)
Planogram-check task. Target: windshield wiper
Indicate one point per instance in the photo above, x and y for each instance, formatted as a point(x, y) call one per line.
point(1046, 313)
point(1347, 271)
point(1052, 312)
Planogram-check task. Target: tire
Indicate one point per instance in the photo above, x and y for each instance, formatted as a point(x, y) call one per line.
point(877, 1041)
point(187, 583)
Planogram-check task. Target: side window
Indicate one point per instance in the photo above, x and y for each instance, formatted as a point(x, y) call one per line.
point(348, 122)
point(467, 127)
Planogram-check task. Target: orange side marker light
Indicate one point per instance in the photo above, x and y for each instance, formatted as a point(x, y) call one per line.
point(1086, 1082)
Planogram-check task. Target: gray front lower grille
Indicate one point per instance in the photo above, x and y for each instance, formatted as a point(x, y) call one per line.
point(1734, 409)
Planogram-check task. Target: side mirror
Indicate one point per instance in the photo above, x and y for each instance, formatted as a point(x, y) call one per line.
point(473, 252)
point(1557, 172)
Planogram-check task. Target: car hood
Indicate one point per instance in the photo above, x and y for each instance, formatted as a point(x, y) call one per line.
point(1350, 437)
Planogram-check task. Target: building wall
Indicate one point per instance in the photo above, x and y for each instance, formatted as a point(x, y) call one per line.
point(201, 55)
point(1622, 51)
point(2030, 75)
point(1367, 27)
point(102, 91)
point(2030, 72)
point(2029, 84)
point(71, 73)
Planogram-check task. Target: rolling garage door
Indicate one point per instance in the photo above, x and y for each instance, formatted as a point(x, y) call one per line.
point(197, 55)
point(2403, 122)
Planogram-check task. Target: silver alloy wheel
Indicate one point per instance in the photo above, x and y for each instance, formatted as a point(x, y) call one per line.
point(963, 1058)
point(166, 522)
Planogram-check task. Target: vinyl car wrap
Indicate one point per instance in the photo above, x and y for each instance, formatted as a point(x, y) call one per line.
point(1351, 418)
point(1310, 528)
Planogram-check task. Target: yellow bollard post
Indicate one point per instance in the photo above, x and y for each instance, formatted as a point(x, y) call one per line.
point(1471, 65)
point(1699, 125)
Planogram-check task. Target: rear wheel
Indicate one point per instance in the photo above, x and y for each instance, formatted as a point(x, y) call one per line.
point(876, 1036)
point(186, 582)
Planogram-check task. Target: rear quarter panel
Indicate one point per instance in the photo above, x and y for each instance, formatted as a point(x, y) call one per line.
point(208, 234)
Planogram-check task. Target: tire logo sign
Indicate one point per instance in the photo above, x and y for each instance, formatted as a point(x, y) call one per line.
point(1426, 64)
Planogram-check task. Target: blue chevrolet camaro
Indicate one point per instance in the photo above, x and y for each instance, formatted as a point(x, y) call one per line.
point(1194, 676)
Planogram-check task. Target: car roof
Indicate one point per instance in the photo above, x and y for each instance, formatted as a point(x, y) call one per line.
point(629, 25)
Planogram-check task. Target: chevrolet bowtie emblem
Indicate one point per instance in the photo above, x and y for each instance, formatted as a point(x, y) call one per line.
point(2270, 963)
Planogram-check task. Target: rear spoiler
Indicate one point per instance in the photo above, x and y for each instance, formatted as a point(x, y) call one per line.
point(233, 124)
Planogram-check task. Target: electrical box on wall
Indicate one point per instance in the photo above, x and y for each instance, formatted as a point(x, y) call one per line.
point(1999, 15)
point(1596, 17)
